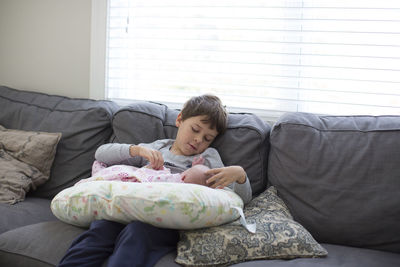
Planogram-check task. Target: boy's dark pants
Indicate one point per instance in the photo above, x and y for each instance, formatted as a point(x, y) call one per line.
point(135, 244)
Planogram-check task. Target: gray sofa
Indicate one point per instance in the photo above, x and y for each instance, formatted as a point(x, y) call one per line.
point(339, 176)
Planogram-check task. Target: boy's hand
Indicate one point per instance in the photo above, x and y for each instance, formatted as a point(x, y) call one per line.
point(154, 157)
point(222, 177)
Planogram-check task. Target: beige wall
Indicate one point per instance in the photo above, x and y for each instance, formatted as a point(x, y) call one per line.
point(45, 46)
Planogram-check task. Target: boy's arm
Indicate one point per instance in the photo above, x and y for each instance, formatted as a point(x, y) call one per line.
point(235, 176)
point(135, 155)
point(114, 153)
point(243, 190)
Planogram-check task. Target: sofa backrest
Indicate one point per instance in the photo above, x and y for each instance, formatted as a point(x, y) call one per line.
point(84, 124)
point(340, 176)
point(245, 143)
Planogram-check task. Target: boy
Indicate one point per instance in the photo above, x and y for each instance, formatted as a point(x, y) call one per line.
point(138, 244)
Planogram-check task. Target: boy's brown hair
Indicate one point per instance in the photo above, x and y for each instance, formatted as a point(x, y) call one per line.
point(210, 106)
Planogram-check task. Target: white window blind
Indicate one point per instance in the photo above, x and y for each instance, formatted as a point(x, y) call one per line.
point(333, 57)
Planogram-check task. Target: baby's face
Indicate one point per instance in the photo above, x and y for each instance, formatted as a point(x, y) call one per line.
point(196, 175)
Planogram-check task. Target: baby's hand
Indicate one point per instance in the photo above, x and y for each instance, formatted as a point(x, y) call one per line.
point(222, 177)
point(198, 160)
point(154, 157)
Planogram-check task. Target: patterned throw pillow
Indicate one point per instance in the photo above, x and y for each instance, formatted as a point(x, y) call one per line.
point(168, 205)
point(278, 236)
point(26, 158)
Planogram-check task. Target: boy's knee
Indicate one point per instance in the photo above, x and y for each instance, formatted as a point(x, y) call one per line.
point(106, 227)
point(138, 228)
point(151, 234)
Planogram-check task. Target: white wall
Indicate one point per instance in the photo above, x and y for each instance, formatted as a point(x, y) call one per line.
point(45, 46)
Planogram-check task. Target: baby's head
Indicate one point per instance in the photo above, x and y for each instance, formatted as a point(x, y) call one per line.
point(196, 175)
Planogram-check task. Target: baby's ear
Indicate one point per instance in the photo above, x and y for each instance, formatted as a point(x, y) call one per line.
point(183, 177)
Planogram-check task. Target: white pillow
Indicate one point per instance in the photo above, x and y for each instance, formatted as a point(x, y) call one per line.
point(167, 205)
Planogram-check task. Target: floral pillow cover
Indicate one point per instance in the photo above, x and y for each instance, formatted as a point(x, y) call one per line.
point(277, 236)
point(168, 205)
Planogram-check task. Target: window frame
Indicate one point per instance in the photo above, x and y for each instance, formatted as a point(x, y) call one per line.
point(98, 49)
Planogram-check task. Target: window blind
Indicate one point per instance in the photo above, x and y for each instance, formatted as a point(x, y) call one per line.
point(332, 57)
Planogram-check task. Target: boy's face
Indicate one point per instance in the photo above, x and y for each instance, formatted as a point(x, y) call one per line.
point(193, 137)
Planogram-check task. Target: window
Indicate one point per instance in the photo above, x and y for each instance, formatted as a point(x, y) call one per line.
point(268, 57)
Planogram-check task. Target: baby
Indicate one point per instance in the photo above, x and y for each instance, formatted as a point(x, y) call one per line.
point(194, 175)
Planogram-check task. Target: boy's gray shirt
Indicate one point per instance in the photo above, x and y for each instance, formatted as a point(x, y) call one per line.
point(114, 153)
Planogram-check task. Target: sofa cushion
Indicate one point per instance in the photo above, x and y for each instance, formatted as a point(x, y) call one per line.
point(25, 252)
point(31, 210)
point(342, 256)
point(84, 124)
point(245, 142)
point(37, 245)
point(277, 237)
point(339, 176)
point(25, 161)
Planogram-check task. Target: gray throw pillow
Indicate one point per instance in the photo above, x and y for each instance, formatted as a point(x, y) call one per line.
point(278, 236)
point(26, 158)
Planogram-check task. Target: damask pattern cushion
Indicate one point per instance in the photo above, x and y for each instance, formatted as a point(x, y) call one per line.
point(277, 236)
point(167, 205)
point(25, 161)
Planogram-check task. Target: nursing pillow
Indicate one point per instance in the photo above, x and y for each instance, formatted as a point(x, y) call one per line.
point(166, 205)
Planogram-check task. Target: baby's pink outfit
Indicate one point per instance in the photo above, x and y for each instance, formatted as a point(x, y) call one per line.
point(126, 173)
point(147, 175)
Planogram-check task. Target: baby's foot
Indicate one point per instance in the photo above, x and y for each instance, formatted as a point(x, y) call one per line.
point(198, 160)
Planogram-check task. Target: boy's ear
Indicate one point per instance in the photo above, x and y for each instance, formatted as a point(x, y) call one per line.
point(178, 120)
